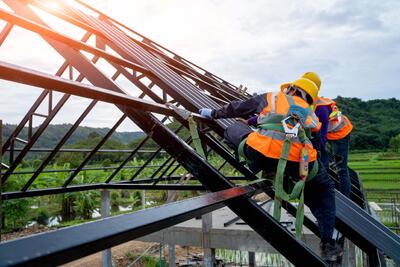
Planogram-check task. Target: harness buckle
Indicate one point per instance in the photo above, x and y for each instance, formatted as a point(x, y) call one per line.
point(290, 132)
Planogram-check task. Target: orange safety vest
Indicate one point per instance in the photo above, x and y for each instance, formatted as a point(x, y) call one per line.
point(270, 142)
point(339, 125)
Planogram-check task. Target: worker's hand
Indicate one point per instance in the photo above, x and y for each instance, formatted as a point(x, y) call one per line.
point(205, 112)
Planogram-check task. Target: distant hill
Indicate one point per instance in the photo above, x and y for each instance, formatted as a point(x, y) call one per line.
point(374, 121)
point(55, 132)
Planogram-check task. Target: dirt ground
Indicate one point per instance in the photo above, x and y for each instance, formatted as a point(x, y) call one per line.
point(119, 253)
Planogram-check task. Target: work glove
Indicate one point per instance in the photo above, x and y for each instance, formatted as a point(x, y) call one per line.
point(206, 112)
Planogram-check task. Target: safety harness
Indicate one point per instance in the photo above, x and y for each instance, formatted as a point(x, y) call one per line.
point(195, 137)
point(278, 123)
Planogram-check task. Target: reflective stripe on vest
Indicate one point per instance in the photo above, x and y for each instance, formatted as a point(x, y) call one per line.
point(278, 102)
point(270, 142)
point(339, 126)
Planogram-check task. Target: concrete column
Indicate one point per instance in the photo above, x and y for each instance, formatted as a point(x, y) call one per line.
point(171, 255)
point(252, 259)
point(209, 253)
point(143, 199)
point(105, 212)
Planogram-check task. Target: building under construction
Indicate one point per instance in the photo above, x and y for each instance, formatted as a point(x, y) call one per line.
point(162, 87)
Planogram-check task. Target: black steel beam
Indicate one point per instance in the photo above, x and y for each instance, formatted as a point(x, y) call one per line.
point(257, 218)
point(27, 76)
point(62, 84)
point(64, 245)
point(44, 31)
point(80, 150)
point(204, 80)
point(366, 232)
point(56, 149)
point(36, 135)
point(37, 103)
point(86, 169)
point(160, 47)
point(97, 186)
point(122, 99)
point(145, 183)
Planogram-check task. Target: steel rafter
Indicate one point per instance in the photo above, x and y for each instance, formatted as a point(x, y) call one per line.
point(159, 47)
point(98, 186)
point(174, 64)
point(152, 126)
point(188, 161)
point(181, 80)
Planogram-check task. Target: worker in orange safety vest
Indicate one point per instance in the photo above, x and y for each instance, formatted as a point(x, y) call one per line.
point(281, 114)
point(335, 129)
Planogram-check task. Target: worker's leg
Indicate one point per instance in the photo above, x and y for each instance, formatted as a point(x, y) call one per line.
point(320, 198)
point(235, 133)
point(341, 147)
point(320, 147)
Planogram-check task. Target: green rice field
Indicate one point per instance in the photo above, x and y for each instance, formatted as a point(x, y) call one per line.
point(378, 170)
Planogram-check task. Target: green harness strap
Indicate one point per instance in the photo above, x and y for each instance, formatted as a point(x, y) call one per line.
point(198, 146)
point(298, 189)
point(195, 137)
point(280, 194)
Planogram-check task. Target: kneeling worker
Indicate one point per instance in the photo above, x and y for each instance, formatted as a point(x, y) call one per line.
point(281, 113)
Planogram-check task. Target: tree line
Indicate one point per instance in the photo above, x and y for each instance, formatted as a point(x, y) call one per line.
point(375, 123)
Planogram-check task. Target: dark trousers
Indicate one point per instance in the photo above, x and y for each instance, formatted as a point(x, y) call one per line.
point(318, 195)
point(320, 147)
point(341, 148)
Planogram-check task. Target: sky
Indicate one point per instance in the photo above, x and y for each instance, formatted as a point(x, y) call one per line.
point(353, 45)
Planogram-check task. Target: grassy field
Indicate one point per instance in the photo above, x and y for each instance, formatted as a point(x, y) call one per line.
point(378, 170)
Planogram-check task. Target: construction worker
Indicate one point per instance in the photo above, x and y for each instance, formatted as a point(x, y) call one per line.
point(335, 129)
point(263, 148)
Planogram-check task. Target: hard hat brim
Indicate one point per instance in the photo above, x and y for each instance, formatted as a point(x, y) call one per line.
point(284, 86)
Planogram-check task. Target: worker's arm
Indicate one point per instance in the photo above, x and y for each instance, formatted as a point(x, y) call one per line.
point(241, 109)
point(322, 113)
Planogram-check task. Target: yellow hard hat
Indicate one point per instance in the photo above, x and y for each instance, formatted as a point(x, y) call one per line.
point(313, 77)
point(306, 84)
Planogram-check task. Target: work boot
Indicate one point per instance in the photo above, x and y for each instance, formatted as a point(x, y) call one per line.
point(330, 251)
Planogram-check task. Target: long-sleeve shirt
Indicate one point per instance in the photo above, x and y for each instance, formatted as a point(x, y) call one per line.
point(322, 113)
point(242, 109)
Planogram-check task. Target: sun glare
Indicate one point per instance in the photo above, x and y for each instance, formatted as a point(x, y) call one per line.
point(51, 5)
